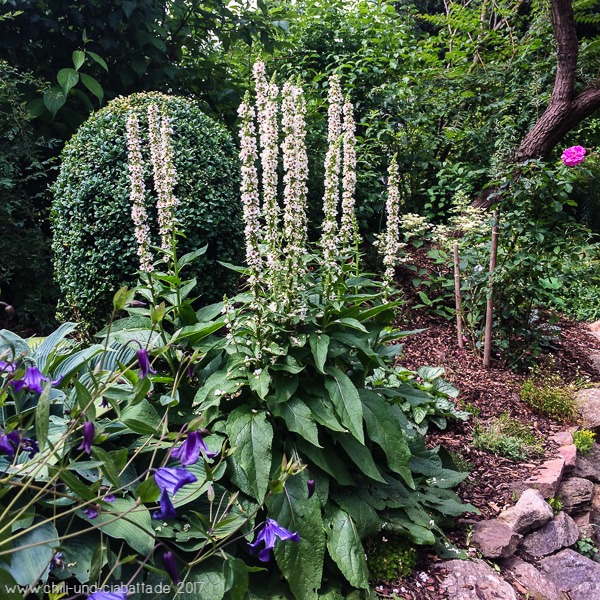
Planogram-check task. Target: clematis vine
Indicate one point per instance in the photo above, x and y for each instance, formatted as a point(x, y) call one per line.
point(189, 451)
point(269, 534)
point(33, 381)
point(573, 156)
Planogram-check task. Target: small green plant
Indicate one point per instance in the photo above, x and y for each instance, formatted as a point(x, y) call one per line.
point(555, 504)
point(390, 557)
point(461, 463)
point(549, 394)
point(587, 547)
point(507, 437)
point(584, 440)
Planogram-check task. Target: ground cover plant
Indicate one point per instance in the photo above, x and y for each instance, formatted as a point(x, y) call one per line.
point(196, 447)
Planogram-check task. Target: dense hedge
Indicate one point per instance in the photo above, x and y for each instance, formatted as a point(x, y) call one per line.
point(94, 245)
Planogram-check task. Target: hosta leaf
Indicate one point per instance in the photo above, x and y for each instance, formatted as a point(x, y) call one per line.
point(301, 563)
point(252, 435)
point(346, 400)
point(345, 547)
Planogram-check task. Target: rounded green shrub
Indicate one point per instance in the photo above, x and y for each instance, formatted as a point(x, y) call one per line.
point(390, 557)
point(94, 244)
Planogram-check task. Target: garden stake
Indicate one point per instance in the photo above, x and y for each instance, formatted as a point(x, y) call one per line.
point(487, 344)
point(459, 327)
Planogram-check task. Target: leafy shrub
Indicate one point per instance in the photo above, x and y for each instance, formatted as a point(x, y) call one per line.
point(507, 437)
point(555, 504)
point(94, 245)
point(390, 557)
point(550, 395)
point(584, 440)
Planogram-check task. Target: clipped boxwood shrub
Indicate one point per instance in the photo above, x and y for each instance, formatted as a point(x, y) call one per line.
point(94, 245)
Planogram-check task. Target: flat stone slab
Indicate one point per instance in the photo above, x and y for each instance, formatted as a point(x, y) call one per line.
point(537, 585)
point(588, 405)
point(495, 539)
point(588, 465)
point(563, 438)
point(561, 532)
point(569, 455)
point(475, 580)
point(549, 477)
point(573, 573)
point(530, 512)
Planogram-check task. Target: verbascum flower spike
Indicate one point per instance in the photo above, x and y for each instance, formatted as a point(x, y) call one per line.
point(266, 114)
point(391, 243)
point(295, 166)
point(349, 239)
point(250, 195)
point(331, 269)
point(137, 193)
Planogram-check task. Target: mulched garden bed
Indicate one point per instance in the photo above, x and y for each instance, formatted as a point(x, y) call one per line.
point(491, 393)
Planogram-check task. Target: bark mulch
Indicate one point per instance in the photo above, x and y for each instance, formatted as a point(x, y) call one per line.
point(489, 393)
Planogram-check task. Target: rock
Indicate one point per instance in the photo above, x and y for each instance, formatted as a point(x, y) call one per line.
point(569, 455)
point(576, 494)
point(548, 480)
point(588, 466)
point(475, 580)
point(530, 512)
point(595, 326)
point(537, 585)
point(573, 573)
point(586, 529)
point(595, 514)
point(495, 539)
point(588, 405)
point(595, 360)
point(559, 533)
point(563, 438)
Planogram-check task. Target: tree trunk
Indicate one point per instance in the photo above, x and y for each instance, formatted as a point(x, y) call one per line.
point(566, 109)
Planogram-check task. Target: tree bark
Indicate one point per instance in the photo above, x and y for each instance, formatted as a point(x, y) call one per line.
point(566, 109)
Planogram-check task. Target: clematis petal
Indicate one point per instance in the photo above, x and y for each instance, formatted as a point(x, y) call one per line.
point(144, 363)
point(88, 437)
point(167, 510)
point(108, 596)
point(173, 479)
point(170, 564)
point(189, 451)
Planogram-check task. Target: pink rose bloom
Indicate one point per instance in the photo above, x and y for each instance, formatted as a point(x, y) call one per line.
point(573, 156)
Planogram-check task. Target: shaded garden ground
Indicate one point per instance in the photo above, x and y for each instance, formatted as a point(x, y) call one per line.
point(487, 393)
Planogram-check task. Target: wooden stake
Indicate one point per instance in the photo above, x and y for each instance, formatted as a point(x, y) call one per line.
point(459, 326)
point(489, 312)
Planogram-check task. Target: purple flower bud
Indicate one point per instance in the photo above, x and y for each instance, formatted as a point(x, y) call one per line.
point(88, 437)
point(168, 560)
point(57, 562)
point(269, 534)
point(310, 484)
point(109, 498)
point(144, 362)
point(104, 403)
point(189, 451)
point(7, 367)
point(9, 443)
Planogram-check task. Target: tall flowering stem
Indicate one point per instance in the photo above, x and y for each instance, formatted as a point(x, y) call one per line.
point(331, 269)
point(266, 114)
point(391, 243)
point(250, 193)
point(137, 194)
point(295, 166)
point(161, 154)
point(349, 238)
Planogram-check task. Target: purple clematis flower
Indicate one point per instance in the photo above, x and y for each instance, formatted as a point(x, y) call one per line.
point(189, 451)
point(9, 443)
point(310, 484)
point(57, 562)
point(108, 596)
point(144, 362)
point(268, 535)
point(7, 367)
point(171, 479)
point(33, 381)
point(30, 446)
point(88, 437)
point(167, 510)
point(91, 512)
point(168, 560)
point(109, 498)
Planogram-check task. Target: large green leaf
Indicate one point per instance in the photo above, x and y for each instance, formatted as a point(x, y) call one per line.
point(67, 78)
point(9, 587)
point(77, 557)
point(345, 547)
point(326, 460)
point(32, 553)
point(48, 347)
point(252, 434)
point(383, 429)
point(363, 515)
point(346, 400)
point(301, 563)
point(319, 345)
point(206, 582)
point(125, 520)
point(360, 455)
point(298, 418)
point(141, 417)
